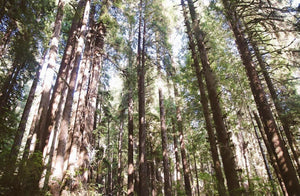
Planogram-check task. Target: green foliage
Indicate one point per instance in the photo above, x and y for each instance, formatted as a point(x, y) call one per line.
point(26, 181)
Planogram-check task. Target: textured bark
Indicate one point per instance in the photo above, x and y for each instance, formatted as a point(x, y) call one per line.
point(58, 94)
point(284, 162)
point(281, 113)
point(264, 157)
point(91, 101)
point(64, 128)
point(130, 127)
point(50, 72)
point(143, 177)
point(271, 154)
point(225, 149)
point(130, 185)
point(205, 106)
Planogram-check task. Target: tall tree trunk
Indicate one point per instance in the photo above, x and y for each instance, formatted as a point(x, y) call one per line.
point(163, 128)
point(50, 72)
point(177, 159)
point(120, 163)
point(264, 156)
point(284, 162)
point(196, 173)
point(57, 174)
point(185, 167)
point(9, 85)
point(225, 149)
point(204, 103)
point(61, 82)
point(143, 178)
point(271, 154)
point(22, 126)
point(130, 186)
point(74, 140)
point(281, 113)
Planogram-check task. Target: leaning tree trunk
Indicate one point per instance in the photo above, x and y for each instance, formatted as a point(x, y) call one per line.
point(50, 72)
point(263, 155)
point(225, 147)
point(281, 113)
point(58, 91)
point(57, 174)
point(204, 103)
point(284, 162)
point(22, 126)
point(271, 154)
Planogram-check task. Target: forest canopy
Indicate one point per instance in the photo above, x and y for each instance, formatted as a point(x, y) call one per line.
point(150, 97)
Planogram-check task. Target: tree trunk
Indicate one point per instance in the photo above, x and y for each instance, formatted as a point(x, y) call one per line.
point(225, 149)
point(143, 178)
point(271, 154)
point(278, 106)
point(264, 157)
point(22, 126)
point(57, 174)
point(163, 128)
point(130, 186)
point(204, 103)
point(196, 172)
point(50, 72)
point(120, 163)
point(185, 167)
point(177, 160)
point(284, 162)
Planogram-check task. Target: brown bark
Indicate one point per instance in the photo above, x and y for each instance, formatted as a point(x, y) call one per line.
point(264, 156)
point(209, 126)
point(271, 154)
point(130, 127)
point(284, 162)
point(225, 149)
point(143, 177)
point(281, 113)
point(47, 86)
point(91, 101)
point(130, 186)
point(64, 128)
point(74, 140)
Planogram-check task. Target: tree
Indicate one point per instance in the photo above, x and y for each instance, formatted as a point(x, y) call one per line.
point(282, 157)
